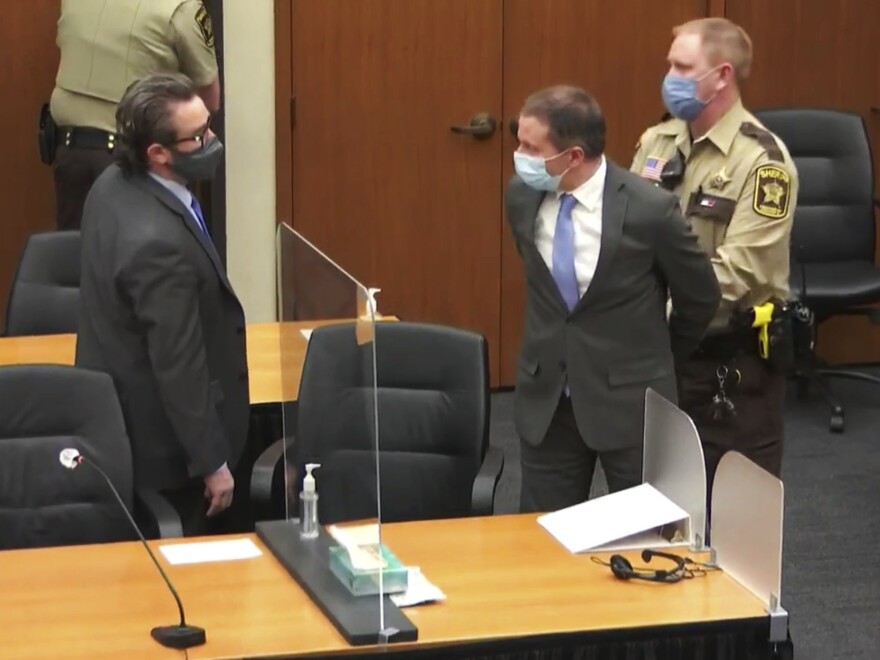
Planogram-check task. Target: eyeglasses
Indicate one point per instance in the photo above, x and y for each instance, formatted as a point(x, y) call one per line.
point(199, 138)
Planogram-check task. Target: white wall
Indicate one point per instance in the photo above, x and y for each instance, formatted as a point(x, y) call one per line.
point(249, 97)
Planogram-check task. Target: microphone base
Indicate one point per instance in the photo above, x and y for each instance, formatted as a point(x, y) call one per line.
point(179, 637)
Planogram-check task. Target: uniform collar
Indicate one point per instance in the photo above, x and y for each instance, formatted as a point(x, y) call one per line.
point(721, 134)
point(726, 129)
point(590, 191)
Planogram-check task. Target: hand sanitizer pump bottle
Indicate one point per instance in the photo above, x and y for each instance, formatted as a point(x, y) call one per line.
point(308, 499)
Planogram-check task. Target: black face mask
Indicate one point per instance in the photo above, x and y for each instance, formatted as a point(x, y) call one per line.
point(198, 165)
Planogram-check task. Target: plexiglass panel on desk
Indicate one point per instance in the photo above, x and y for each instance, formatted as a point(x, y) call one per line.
point(330, 419)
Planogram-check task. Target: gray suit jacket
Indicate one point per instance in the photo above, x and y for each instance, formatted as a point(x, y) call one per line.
point(616, 342)
point(159, 315)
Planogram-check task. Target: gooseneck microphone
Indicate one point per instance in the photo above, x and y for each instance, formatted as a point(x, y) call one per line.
point(181, 636)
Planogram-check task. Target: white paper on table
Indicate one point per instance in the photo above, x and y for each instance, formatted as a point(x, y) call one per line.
point(612, 517)
point(208, 551)
point(359, 541)
point(307, 333)
point(419, 590)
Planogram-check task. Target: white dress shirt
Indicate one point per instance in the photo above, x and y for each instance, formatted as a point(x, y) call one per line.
point(181, 192)
point(586, 217)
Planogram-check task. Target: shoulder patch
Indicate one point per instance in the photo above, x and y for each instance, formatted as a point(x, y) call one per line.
point(206, 27)
point(765, 139)
point(772, 191)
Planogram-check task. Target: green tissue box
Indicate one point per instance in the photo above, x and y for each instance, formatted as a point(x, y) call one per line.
point(365, 582)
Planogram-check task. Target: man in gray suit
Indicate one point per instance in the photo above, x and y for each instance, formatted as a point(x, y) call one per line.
point(605, 255)
point(157, 311)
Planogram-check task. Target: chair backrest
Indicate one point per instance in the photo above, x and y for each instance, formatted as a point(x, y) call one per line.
point(45, 291)
point(44, 409)
point(834, 219)
point(433, 406)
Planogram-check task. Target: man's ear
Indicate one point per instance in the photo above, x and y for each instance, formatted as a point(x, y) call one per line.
point(158, 154)
point(728, 75)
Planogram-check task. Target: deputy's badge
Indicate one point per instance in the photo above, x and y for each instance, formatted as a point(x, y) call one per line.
point(719, 180)
point(772, 187)
point(206, 27)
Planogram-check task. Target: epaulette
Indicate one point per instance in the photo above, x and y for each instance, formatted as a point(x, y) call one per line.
point(765, 139)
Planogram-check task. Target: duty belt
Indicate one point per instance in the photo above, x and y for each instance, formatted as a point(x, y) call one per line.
point(725, 345)
point(86, 137)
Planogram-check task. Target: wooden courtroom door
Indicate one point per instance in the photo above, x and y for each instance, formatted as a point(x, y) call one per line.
point(617, 51)
point(380, 180)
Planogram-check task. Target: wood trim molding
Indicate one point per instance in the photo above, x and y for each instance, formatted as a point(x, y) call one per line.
point(283, 125)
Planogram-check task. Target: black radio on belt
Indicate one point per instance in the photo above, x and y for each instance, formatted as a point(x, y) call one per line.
point(47, 136)
point(672, 172)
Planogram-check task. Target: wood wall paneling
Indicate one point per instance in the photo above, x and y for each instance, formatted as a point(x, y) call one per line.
point(283, 107)
point(30, 61)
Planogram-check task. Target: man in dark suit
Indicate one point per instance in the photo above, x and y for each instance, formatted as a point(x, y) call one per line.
point(616, 283)
point(157, 311)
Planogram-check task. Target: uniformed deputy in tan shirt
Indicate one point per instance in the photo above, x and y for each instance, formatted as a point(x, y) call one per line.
point(738, 189)
point(738, 192)
point(105, 46)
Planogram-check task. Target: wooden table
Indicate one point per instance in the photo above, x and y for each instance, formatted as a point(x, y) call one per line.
point(267, 385)
point(504, 578)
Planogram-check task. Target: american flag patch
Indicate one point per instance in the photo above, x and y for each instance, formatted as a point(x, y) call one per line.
point(653, 167)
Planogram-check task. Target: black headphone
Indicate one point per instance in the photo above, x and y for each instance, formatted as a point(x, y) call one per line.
point(685, 567)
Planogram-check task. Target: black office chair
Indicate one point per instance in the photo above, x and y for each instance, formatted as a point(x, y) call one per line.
point(832, 243)
point(433, 401)
point(47, 408)
point(45, 291)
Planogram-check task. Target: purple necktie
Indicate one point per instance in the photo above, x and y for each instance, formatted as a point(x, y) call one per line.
point(197, 209)
point(563, 252)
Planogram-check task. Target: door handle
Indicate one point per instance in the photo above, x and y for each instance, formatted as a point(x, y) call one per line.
point(481, 126)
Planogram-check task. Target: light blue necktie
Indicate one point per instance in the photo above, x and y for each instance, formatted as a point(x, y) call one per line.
point(197, 209)
point(563, 252)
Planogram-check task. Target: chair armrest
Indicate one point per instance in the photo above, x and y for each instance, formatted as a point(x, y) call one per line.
point(163, 517)
point(483, 494)
point(263, 475)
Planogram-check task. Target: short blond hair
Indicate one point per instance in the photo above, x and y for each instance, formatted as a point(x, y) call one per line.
point(723, 41)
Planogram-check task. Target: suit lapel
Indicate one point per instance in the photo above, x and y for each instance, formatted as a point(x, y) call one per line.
point(174, 204)
point(613, 214)
point(529, 205)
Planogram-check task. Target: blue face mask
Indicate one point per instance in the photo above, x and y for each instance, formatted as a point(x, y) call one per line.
point(680, 96)
point(533, 171)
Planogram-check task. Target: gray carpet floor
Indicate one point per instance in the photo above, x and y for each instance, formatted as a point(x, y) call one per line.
point(831, 548)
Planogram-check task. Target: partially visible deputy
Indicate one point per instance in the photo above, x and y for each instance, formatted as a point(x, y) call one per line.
point(105, 46)
point(737, 186)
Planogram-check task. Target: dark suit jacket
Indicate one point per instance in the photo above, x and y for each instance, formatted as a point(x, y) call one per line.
point(616, 342)
point(159, 315)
